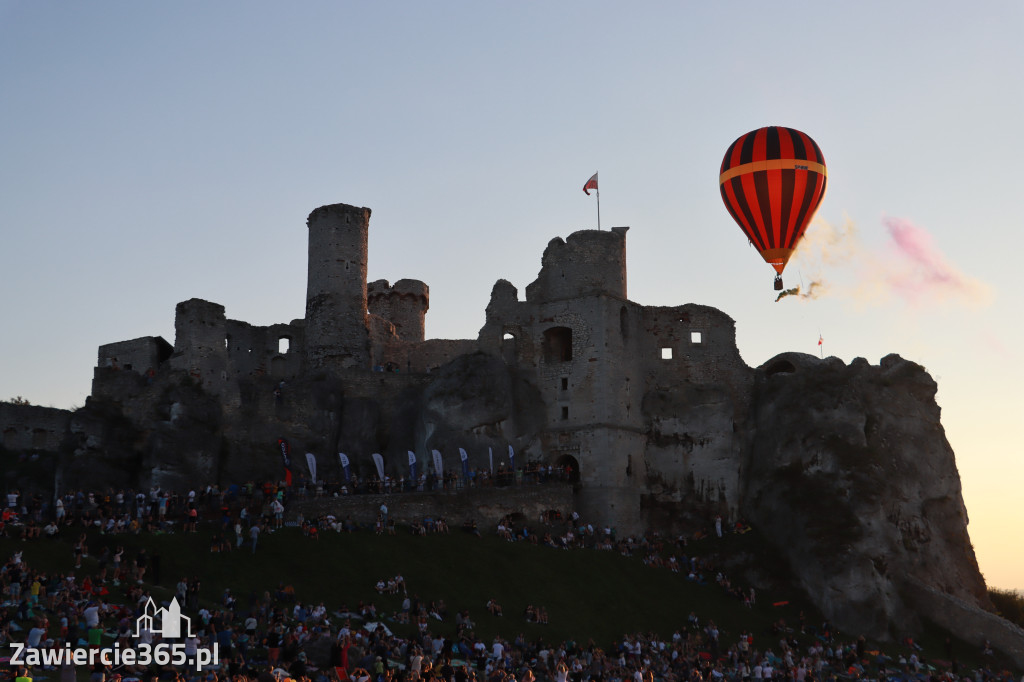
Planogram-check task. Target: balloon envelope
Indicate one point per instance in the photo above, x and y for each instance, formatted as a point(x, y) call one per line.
point(772, 180)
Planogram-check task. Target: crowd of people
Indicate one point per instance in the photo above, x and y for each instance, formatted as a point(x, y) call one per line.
point(501, 475)
point(279, 634)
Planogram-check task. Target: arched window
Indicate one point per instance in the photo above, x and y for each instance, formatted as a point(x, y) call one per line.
point(508, 348)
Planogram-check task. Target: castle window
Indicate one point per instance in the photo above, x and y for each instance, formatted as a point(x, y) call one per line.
point(666, 353)
point(508, 348)
point(696, 337)
point(565, 383)
point(565, 412)
point(283, 344)
point(38, 439)
point(558, 344)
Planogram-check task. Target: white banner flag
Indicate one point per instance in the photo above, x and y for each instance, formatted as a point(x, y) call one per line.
point(378, 459)
point(311, 461)
point(438, 464)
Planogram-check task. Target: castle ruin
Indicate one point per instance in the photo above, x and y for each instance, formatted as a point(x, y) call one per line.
point(603, 367)
point(845, 468)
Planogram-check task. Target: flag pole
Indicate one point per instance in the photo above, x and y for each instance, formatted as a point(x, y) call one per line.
point(593, 184)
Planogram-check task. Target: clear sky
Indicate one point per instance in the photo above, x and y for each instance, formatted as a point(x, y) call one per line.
point(155, 152)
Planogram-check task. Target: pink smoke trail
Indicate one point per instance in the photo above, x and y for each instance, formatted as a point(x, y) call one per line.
point(920, 270)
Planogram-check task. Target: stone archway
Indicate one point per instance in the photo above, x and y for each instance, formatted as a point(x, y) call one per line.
point(569, 467)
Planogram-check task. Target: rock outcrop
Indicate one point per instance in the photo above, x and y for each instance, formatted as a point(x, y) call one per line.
point(852, 478)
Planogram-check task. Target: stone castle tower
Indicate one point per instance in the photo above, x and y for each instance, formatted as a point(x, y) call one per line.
point(336, 326)
point(609, 371)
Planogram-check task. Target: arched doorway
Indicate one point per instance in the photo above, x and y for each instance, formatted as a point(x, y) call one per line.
point(569, 467)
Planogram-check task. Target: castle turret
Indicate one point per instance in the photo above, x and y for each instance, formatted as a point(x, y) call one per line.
point(587, 262)
point(336, 325)
point(404, 305)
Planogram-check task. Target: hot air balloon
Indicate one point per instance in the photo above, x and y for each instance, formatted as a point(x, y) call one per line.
point(772, 180)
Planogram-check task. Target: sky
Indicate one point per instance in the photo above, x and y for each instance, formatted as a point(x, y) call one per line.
point(155, 152)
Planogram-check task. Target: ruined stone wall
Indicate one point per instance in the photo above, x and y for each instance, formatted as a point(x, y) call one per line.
point(31, 428)
point(137, 355)
point(697, 396)
point(612, 473)
point(255, 351)
point(404, 305)
point(587, 262)
point(426, 356)
point(200, 348)
point(120, 387)
point(336, 325)
point(701, 342)
point(382, 336)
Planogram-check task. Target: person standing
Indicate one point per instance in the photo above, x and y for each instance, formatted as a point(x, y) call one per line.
point(254, 535)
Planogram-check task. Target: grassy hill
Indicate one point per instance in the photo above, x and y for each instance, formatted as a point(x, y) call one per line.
point(589, 594)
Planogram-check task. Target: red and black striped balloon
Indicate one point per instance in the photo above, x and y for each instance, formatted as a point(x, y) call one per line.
point(772, 180)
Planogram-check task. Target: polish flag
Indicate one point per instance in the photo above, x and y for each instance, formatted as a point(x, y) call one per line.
point(591, 184)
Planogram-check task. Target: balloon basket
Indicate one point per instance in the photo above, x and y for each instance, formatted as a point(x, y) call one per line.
point(778, 282)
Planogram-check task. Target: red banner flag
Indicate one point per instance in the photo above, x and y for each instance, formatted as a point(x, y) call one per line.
point(591, 184)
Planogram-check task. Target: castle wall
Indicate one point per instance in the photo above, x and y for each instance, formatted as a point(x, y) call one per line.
point(200, 345)
point(425, 356)
point(336, 309)
point(382, 336)
point(138, 355)
point(256, 351)
point(701, 342)
point(27, 428)
point(694, 404)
